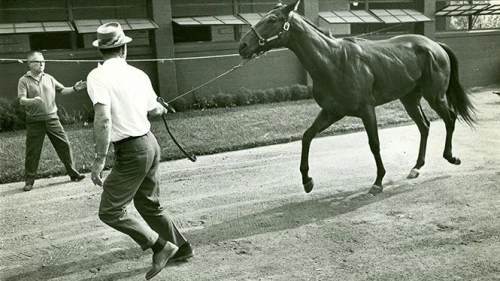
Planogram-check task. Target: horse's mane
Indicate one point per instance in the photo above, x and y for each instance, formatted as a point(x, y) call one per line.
point(326, 32)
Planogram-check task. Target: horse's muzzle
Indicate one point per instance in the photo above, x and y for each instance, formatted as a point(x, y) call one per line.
point(243, 50)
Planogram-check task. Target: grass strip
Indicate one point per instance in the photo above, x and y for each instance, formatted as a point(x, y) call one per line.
point(201, 132)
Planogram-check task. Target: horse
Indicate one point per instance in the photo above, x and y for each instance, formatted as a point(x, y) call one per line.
point(351, 76)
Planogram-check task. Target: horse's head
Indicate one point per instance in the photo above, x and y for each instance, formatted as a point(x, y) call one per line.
point(269, 32)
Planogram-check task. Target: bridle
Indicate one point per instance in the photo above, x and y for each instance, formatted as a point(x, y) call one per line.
point(263, 41)
point(286, 26)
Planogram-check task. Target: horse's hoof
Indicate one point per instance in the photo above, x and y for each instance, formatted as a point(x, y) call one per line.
point(454, 160)
point(376, 189)
point(414, 174)
point(308, 186)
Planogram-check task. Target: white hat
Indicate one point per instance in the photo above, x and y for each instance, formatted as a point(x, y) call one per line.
point(110, 35)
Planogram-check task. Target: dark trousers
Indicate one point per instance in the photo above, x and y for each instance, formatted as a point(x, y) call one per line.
point(133, 177)
point(35, 136)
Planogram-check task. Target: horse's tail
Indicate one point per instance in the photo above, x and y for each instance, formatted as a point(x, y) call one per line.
point(457, 95)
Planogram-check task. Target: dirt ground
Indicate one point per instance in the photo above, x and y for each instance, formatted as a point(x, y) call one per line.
point(248, 217)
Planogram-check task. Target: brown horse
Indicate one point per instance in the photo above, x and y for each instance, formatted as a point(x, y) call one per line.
point(352, 76)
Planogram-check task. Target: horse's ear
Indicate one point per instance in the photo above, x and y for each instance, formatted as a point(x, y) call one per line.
point(291, 7)
point(296, 5)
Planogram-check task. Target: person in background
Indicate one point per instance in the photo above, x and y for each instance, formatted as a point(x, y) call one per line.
point(36, 92)
point(123, 97)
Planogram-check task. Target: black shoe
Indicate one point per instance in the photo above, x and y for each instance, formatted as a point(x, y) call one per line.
point(77, 177)
point(160, 259)
point(184, 253)
point(28, 187)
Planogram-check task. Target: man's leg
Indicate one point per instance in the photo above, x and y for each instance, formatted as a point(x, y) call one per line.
point(132, 163)
point(119, 189)
point(35, 135)
point(147, 203)
point(61, 144)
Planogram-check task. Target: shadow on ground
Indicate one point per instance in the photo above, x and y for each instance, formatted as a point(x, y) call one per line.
point(284, 217)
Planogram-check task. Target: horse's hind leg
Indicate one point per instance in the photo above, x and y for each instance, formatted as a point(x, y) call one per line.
point(412, 105)
point(370, 122)
point(323, 121)
point(449, 117)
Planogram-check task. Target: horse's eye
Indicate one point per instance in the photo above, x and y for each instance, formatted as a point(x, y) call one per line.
point(271, 20)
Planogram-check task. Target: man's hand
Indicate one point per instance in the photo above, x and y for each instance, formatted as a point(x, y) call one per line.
point(37, 100)
point(97, 168)
point(80, 85)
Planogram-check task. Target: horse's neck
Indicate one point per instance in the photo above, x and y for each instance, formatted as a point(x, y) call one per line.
point(312, 47)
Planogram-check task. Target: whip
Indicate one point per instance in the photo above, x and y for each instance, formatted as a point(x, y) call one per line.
point(161, 101)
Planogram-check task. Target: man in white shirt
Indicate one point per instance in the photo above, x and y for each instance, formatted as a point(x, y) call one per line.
point(123, 97)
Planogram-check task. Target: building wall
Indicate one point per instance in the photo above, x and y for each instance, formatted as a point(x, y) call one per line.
point(478, 54)
point(274, 69)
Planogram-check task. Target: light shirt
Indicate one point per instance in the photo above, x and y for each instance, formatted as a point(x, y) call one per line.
point(128, 92)
point(46, 88)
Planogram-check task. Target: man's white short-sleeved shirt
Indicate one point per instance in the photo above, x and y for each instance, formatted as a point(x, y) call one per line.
point(128, 92)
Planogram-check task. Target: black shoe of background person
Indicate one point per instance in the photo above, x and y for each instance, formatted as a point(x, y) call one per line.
point(28, 187)
point(184, 253)
point(77, 177)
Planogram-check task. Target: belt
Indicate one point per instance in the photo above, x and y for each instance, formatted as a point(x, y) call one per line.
point(122, 141)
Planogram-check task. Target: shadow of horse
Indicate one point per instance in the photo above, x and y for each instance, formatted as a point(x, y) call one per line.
point(288, 216)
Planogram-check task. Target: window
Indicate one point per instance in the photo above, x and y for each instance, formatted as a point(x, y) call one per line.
point(373, 16)
point(50, 41)
point(395, 16)
point(35, 27)
point(359, 16)
point(135, 28)
point(61, 24)
point(467, 15)
point(207, 28)
point(186, 33)
point(37, 35)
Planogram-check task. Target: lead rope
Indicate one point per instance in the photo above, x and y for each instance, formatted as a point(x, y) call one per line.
point(213, 79)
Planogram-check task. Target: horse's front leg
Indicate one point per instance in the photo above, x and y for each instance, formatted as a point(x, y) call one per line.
point(323, 121)
point(370, 122)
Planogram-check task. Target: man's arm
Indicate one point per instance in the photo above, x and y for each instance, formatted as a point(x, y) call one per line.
point(102, 136)
point(80, 85)
point(102, 129)
point(27, 101)
point(22, 95)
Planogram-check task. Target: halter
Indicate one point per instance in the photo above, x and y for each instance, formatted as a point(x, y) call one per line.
point(263, 41)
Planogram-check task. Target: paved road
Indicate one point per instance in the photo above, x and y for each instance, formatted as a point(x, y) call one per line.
point(53, 233)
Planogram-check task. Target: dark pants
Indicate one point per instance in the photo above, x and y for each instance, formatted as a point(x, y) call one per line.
point(133, 177)
point(35, 136)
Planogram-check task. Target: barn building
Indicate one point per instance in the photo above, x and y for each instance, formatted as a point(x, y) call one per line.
point(181, 44)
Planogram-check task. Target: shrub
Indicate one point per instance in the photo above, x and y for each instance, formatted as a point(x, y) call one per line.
point(12, 116)
point(281, 94)
point(71, 118)
point(245, 96)
point(181, 105)
point(224, 100)
point(201, 101)
point(260, 96)
point(299, 92)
